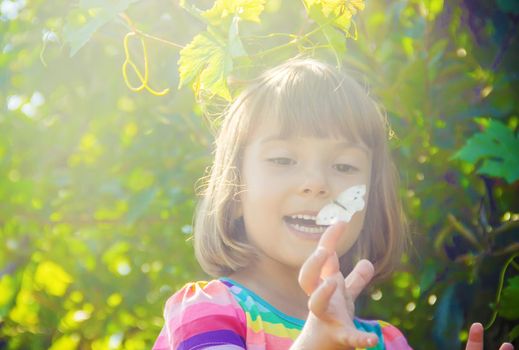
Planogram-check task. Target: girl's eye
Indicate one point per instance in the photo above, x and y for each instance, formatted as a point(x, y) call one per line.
point(282, 161)
point(345, 168)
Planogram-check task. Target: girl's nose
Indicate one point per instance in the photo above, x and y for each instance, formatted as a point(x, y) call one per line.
point(315, 184)
point(318, 192)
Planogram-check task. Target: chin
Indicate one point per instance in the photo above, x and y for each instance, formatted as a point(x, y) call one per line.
point(298, 260)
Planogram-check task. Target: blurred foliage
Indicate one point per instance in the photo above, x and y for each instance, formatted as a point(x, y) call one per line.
point(97, 173)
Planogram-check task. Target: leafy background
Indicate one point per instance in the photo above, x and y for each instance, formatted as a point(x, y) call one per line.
point(102, 141)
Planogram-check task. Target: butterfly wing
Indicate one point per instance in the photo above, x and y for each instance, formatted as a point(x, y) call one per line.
point(329, 214)
point(351, 201)
point(353, 198)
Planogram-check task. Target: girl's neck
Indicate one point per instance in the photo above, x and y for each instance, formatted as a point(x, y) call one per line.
point(277, 284)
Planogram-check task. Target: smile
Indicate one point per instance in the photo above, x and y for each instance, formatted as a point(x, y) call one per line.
point(304, 223)
point(319, 230)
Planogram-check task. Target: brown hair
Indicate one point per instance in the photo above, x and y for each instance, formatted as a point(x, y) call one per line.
point(307, 97)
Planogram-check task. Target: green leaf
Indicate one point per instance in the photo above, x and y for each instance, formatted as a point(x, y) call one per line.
point(428, 276)
point(448, 319)
point(334, 18)
point(333, 33)
point(498, 147)
point(7, 292)
point(247, 10)
point(509, 304)
point(514, 333)
point(236, 48)
point(207, 62)
point(82, 23)
point(508, 6)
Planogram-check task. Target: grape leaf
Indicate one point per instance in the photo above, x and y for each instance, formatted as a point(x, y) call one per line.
point(248, 10)
point(338, 8)
point(498, 147)
point(207, 62)
point(509, 304)
point(236, 48)
point(82, 23)
point(334, 19)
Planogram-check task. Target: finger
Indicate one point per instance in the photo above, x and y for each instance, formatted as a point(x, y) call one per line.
point(359, 339)
point(331, 266)
point(475, 341)
point(320, 298)
point(359, 278)
point(506, 346)
point(331, 236)
point(309, 275)
point(329, 241)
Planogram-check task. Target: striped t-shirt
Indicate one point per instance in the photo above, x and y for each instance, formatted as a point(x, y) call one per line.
point(224, 315)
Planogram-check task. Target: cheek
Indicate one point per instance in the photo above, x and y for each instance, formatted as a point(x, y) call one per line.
point(261, 187)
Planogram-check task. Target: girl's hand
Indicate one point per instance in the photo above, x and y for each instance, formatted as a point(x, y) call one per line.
point(332, 297)
point(475, 341)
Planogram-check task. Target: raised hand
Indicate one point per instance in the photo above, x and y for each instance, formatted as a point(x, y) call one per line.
point(475, 341)
point(331, 296)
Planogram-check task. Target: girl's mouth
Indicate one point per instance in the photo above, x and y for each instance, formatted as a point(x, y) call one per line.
point(304, 223)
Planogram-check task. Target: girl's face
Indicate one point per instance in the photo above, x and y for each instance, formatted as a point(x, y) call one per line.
point(286, 177)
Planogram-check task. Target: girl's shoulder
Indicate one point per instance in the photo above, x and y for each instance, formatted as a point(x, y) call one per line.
point(391, 336)
point(198, 292)
point(202, 313)
point(203, 299)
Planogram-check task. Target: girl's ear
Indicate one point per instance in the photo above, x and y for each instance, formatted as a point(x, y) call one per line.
point(236, 198)
point(238, 211)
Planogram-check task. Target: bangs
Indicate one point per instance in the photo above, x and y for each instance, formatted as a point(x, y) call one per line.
point(314, 101)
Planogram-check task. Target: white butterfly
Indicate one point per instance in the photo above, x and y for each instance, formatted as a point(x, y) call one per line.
point(342, 209)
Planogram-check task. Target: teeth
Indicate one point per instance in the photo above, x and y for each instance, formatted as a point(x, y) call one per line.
point(319, 230)
point(305, 217)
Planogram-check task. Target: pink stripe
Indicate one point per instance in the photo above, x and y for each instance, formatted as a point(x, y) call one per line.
point(255, 337)
point(393, 338)
point(182, 315)
point(162, 341)
point(274, 342)
point(208, 324)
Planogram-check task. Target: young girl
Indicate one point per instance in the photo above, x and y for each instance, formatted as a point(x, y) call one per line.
point(289, 145)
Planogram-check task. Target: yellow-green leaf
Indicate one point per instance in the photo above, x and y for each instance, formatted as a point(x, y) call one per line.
point(66, 342)
point(248, 10)
point(344, 9)
point(7, 289)
point(52, 278)
point(207, 62)
point(434, 8)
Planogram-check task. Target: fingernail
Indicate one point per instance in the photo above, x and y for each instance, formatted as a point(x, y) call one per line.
point(328, 282)
point(370, 341)
point(320, 252)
